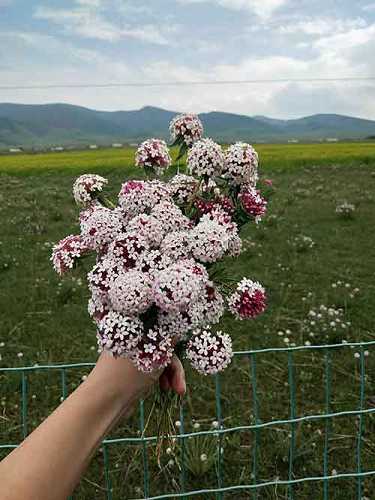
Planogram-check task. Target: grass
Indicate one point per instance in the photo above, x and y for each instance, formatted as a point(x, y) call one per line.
point(44, 319)
point(111, 160)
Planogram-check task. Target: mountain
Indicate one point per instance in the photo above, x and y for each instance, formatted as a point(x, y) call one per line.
point(65, 124)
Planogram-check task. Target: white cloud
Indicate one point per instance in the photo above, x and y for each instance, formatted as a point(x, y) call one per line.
point(322, 26)
point(88, 21)
point(263, 8)
point(368, 8)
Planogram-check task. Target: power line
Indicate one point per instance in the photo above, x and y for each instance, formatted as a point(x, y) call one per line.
point(184, 83)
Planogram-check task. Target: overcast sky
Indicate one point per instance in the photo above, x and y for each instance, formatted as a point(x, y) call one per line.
point(98, 41)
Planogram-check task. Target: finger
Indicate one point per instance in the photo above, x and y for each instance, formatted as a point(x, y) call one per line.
point(176, 376)
point(164, 382)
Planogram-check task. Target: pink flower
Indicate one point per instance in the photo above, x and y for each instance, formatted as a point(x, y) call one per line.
point(127, 250)
point(248, 301)
point(188, 128)
point(119, 334)
point(205, 158)
point(153, 153)
point(241, 164)
point(66, 253)
point(176, 287)
point(253, 203)
point(209, 352)
point(86, 187)
point(153, 351)
point(101, 226)
point(130, 293)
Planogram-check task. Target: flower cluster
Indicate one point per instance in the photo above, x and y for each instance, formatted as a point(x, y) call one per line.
point(209, 352)
point(253, 203)
point(155, 284)
point(241, 164)
point(153, 153)
point(186, 128)
point(325, 324)
point(65, 253)
point(248, 301)
point(205, 158)
point(86, 187)
point(345, 210)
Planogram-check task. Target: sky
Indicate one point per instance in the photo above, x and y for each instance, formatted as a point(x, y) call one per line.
point(109, 41)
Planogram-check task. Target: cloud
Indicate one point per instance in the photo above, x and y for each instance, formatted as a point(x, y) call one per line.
point(87, 20)
point(369, 7)
point(262, 8)
point(321, 26)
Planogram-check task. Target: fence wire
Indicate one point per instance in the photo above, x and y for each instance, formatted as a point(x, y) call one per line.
point(253, 488)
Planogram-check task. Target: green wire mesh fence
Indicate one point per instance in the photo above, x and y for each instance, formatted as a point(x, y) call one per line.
point(302, 425)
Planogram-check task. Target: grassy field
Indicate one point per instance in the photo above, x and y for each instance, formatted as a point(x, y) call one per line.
point(109, 160)
point(44, 320)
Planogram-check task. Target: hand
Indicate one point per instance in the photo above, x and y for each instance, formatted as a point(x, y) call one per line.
point(123, 379)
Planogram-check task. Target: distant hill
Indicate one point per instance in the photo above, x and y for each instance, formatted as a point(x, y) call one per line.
point(64, 124)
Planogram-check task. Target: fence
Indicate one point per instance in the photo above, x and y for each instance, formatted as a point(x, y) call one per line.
point(254, 487)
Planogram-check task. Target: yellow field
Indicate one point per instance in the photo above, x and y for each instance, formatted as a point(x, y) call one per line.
point(275, 155)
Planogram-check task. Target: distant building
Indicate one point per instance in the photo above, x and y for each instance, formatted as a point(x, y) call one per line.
point(332, 139)
point(133, 144)
point(117, 145)
point(57, 148)
point(93, 146)
point(293, 141)
point(15, 150)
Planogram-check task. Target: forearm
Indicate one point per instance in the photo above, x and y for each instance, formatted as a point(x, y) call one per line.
point(50, 462)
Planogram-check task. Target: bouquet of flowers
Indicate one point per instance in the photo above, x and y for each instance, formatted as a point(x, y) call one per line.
point(158, 285)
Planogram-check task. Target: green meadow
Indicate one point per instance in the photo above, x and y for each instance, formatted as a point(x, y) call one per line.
point(304, 253)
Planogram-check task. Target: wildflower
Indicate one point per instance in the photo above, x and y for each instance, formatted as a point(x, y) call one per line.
point(209, 240)
point(205, 158)
point(345, 210)
point(131, 293)
point(101, 227)
point(86, 187)
point(249, 299)
point(241, 164)
point(187, 128)
point(209, 352)
point(203, 457)
point(153, 351)
point(139, 197)
point(182, 188)
point(176, 287)
point(119, 334)
point(153, 153)
point(253, 203)
point(67, 251)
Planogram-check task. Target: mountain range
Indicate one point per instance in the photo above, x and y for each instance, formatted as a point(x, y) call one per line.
point(64, 124)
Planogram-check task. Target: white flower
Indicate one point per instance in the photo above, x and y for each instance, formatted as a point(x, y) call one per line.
point(176, 287)
point(66, 253)
point(203, 457)
point(209, 352)
point(187, 128)
point(101, 227)
point(205, 158)
point(182, 188)
point(248, 300)
point(241, 164)
point(86, 187)
point(153, 153)
point(131, 293)
point(153, 351)
point(209, 240)
point(119, 334)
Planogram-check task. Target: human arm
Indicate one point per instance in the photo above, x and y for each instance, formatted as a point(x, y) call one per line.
point(50, 462)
